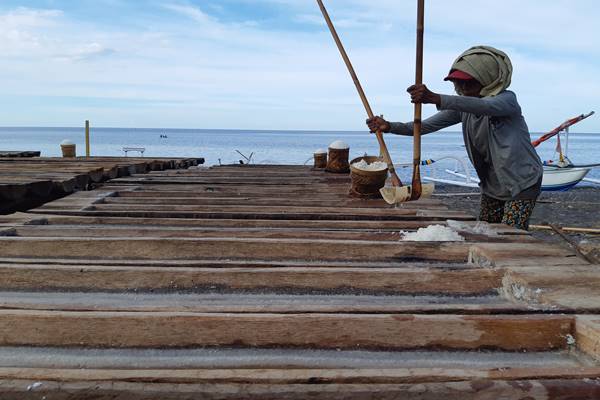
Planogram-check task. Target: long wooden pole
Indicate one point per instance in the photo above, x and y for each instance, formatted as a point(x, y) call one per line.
point(416, 178)
point(383, 148)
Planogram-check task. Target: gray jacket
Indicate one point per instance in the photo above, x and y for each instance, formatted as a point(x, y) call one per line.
point(497, 141)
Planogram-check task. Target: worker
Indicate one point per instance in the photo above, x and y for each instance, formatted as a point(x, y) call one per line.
point(495, 133)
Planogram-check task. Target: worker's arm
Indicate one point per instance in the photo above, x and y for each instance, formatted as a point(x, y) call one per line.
point(438, 121)
point(441, 120)
point(502, 105)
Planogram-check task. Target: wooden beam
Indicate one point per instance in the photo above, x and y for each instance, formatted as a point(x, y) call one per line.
point(156, 329)
point(413, 280)
point(231, 248)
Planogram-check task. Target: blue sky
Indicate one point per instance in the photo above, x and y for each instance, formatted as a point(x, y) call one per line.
point(271, 64)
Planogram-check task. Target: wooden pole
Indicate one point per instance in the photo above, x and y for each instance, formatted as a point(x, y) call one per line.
point(382, 147)
point(87, 138)
point(416, 178)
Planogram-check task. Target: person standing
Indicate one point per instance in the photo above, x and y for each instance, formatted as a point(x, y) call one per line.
point(495, 133)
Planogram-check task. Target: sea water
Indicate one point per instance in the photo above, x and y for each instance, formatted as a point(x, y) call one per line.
point(270, 147)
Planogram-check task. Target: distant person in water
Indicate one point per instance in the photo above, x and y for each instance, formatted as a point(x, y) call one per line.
point(495, 133)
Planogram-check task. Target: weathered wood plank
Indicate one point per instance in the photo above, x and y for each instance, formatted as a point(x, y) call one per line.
point(231, 248)
point(499, 255)
point(421, 280)
point(297, 376)
point(258, 303)
point(587, 335)
point(574, 288)
point(140, 329)
point(49, 219)
point(551, 389)
point(261, 214)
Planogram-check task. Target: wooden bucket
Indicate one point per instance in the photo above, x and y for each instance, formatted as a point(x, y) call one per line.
point(68, 150)
point(320, 160)
point(338, 161)
point(366, 184)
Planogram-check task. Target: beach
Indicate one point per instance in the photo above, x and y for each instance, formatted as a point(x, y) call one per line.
point(578, 207)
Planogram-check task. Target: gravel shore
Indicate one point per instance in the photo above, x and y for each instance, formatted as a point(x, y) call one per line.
point(578, 207)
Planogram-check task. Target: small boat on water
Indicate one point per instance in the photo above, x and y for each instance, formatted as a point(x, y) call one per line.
point(562, 178)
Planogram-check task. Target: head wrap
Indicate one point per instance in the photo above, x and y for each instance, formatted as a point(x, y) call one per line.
point(491, 67)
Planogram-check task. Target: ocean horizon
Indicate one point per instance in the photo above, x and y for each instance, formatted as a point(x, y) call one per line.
point(221, 146)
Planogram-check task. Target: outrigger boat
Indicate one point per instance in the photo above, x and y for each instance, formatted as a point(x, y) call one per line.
point(558, 176)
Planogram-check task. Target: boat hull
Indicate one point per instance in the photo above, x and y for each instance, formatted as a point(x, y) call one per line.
point(562, 179)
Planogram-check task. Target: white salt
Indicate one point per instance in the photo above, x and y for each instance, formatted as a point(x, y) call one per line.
point(34, 386)
point(66, 142)
point(480, 227)
point(374, 166)
point(339, 145)
point(320, 151)
point(433, 233)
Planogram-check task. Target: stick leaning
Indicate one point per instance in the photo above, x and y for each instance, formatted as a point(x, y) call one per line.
point(383, 148)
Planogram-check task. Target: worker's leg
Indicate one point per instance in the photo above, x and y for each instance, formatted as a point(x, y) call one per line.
point(491, 209)
point(517, 213)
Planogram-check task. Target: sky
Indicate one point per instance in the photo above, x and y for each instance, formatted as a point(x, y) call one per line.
point(272, 64)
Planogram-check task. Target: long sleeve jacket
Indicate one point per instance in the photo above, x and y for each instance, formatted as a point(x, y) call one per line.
point(497, 141)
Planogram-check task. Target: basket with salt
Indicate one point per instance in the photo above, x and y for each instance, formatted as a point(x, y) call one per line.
point(368, 175)
point(320, 159)
point(337, 160)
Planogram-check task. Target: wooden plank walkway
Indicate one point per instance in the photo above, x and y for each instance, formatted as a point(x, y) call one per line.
point(255, 282)
point(13, 153)
point(29, 182)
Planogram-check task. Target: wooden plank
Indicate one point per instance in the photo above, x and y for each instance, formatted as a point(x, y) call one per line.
point(15, 153)
point(414, 280)
point(137, 329)
point(501, 255)
point(314, 201)
point(263, 302)
point(261, 214)
point(587, 335)
point(296, 376)
point(49, 219)
point(188, 232)
point(551, 389)
point(569, 288)
point(231, 248)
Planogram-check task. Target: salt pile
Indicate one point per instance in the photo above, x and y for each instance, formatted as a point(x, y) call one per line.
point(433, 233)
point(339, 145)
point(480, 228)
point(365, 166)
point(320, 151)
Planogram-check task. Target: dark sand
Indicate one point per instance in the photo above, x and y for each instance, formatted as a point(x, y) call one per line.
point(579, 207)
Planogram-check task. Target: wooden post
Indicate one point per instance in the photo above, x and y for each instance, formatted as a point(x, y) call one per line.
point(87, 138)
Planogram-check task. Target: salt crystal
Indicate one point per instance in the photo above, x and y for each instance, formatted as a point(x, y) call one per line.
point(480, 228)
point(34, 386)
point(570, 339)
point(339, 145)
point(433, 233)
point(374, 166)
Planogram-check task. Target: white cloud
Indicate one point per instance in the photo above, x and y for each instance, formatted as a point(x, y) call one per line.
point(196, 70)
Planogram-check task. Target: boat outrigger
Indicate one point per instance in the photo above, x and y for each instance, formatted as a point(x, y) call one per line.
point(561, 175)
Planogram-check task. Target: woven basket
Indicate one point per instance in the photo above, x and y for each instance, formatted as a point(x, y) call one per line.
point(366, 184)
point(338, 161)
point(68, 150)
point(320, 160)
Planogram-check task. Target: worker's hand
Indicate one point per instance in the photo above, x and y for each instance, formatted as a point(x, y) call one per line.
point(378, 124)
point(420, 94)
